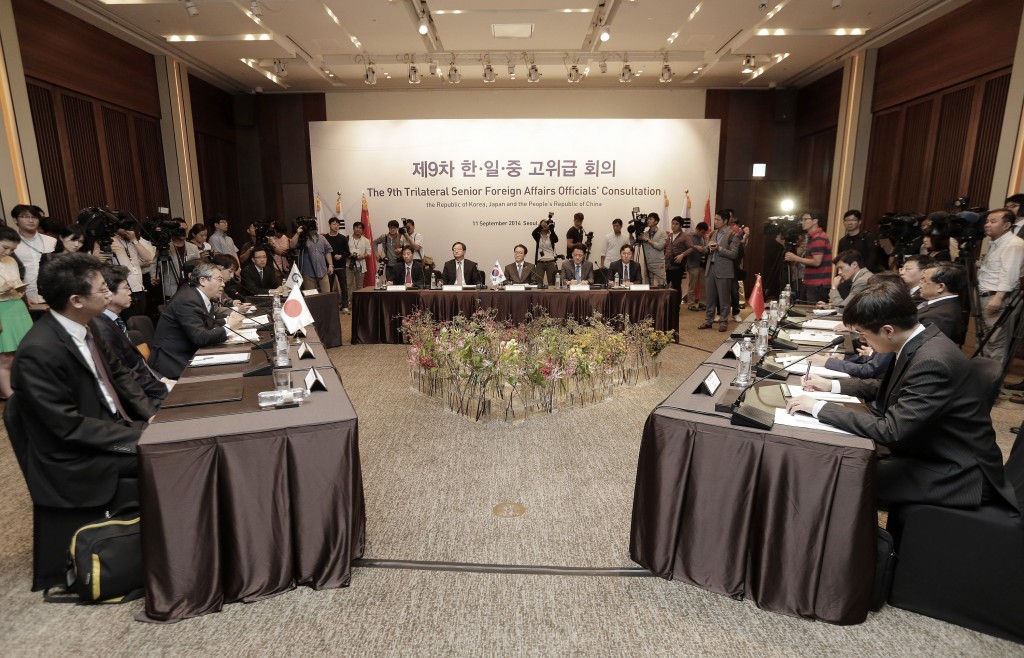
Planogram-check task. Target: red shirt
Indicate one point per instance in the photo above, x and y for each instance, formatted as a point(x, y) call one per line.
point(817, 243)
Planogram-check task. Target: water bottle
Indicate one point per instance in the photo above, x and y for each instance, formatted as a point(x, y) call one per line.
point(558, 280)
point(786, 300)
point(616, 279)
point(743, 370)
point(276, 315)
point(762, 337)
point(773, 315)
point(433, 281)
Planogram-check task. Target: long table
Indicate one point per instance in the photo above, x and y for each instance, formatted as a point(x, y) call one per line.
point(240, 504)
point(377, 314)
point(784, 517)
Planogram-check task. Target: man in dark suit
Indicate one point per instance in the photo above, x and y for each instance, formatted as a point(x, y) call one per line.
point(111, 330)
point(459, 271)
point(188, 321)
point(259, 277)
point(940, 289)
point(627, 271)
point(76, 414)
point(925, 410)
point(408, 271)
point(520, 272)
point(578, 270)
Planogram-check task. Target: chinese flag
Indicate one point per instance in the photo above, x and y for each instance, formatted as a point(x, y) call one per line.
point(371, 263)
point(756, 300)
point(707, 211)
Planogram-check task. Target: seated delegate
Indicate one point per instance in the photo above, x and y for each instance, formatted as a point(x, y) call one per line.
point(459, 270)
point(578, 270)
point(627, 270)
point(408, 271)
point(259, 277)
point(519, 271)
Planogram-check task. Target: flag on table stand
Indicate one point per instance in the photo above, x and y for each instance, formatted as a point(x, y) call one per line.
point(756, 300)
point(294, 312)
point(497, 276)
point(294, 279)
point(371, 263)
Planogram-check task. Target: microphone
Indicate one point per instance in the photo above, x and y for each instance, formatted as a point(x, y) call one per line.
point(746, 415)
point(263, 368)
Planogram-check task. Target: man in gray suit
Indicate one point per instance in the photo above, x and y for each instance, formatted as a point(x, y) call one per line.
point(848, 264)
point(653, 241)
point(520, 271)
point(931, 409)
point(723, 249)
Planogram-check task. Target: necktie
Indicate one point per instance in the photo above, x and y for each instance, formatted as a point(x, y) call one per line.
point(408, 275)
point(104, 375)
point(579, 272)
point(625, 272)
point(260, 273)
point(458, 277)
point(122, 325)
point(520, 266)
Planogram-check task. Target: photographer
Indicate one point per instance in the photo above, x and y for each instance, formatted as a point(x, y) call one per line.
point(389, 245)
point(359, 247)
point(340, 255)
point(677, 248)
point(408, 237)
point(574, 235)
point(998, 276)
point(817, 259)
point(653, 241)
point(696, 260)
point(245, 251)
point(313, 254)
point(135, 255)
point(546, 239)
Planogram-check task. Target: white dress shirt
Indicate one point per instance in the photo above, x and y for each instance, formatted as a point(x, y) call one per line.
point(78, 332)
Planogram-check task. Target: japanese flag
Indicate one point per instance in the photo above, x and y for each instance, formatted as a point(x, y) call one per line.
point(295, 313)
point(497, 276)
point(294, 279)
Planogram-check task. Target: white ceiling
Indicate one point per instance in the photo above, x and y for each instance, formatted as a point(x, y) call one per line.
point(792, 42)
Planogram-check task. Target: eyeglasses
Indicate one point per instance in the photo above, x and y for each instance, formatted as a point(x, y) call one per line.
point(216, 278)
point(102, 291)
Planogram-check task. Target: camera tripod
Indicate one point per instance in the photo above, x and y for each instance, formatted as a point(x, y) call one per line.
point(1009, 315)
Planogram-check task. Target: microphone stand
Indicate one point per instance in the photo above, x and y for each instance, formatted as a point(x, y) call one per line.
point(748, 415)
point(263, 368)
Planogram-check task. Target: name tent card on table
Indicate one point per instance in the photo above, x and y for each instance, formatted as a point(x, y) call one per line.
point(305, 351)
point(709, 385)
point(640, 286)
point(450, 288)
point(580, 286)
point(314, 382)
point(400, 288)
point(515, 288)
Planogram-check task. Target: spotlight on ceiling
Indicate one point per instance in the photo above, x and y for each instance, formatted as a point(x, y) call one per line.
point(533, 74)
point(191, 8)
point(606, 33)
point(370, 76)
point(454, 77)
point(255, 9)
point(424, 28)
point(748, 64)
point(603, 65)
point(512, 71)
point(574, 75)
point(666, 73)
point(414, 75)
point(488, 74)
point(627, 72)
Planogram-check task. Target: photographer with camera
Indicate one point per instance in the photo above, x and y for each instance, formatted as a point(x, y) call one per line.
point(574, 235)
point(130, 252)
point(389, 245)
point(653, 240)
point(409, 237)
point(546, 239)
point(313, 254)
point(817, 259)
point(677, 248)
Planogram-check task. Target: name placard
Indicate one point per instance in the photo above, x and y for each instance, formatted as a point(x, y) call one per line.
point(640, 286)
point(515, 288)
point(400, 288)
point(313, 381)
point(710, 384)
point(580, 286)
point(305, 352)
point(448, 288)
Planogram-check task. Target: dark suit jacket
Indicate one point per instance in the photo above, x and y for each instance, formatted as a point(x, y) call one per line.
point(569, 271)
point(529, 274)
point(396, 274)
point(931, 412)
point(947, 315)
point(616, 268)
point(183, 328)
point(256, 284)
point(118, 344)
point(472, 275)
point(67, 442)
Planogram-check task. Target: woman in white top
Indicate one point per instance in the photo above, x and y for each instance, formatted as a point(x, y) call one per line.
point(14, 317)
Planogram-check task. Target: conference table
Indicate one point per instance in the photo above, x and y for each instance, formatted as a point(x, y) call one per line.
point(377, 314)
point(239, 503)
point(324, 307)
point(784, 517)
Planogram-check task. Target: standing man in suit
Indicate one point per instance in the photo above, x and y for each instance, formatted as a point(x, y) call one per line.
point(578, 270)
point(653, 241)
point(112, 331)
point(940, 289)
point(519, 271)
point(188, 322)
point(848, 264)
point(627, 270)
point(924, 410)
point(259, 277)
point(76, 414)
point(723, 249)
point(459, 271)
point(408, 271)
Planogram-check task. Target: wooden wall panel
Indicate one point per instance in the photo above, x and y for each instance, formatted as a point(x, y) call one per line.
point(912, 176)
point(992, 106)
point(119, 153)
point(51, 158)
point(950, 147)
point(83, 145)
point(150, 169)
point(883, 163)
point(818, 105)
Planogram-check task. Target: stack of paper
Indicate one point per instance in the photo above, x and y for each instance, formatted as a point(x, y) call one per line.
point(796, 390)
point(220, 359)
point(801, 369)
point(812, 337)
point(821, 323)
point(782, 417)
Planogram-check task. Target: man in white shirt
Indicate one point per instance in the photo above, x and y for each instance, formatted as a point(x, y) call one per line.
point(134, 255)
point(998, 276)
point(613, 243)
point(32, 246)
point(221, 242)
point(360, 247)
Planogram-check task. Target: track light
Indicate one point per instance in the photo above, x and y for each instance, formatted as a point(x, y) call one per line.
point(533, 74)
point(255, 9)
point(574, 75)
point(488, 74)
point(603, 65)
point(424, 28)
point(454, 77)
point(511, 71)
point(606, 33)
point(627, 72)
point(191, 8)
point(666, 73)
point(370, 76)
point(748, 64)
point(414, 75)
point(280, 69)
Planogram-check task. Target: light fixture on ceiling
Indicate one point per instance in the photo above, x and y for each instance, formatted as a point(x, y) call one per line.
point(748, 64)
point(424, 27)
point(255, 9)
point(414, 75)
point(511, 71)
point(488, 74)
point(280, 69)
point(605, 33)
point(454, 77)
point(574, 76)
point(370, 76)
point(191, 8)
point(627, 72)
point(836, 4)
point(666, 73)
point(533, 74)
point(603, 65)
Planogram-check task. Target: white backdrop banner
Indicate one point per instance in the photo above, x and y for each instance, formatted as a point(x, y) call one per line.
point(488, 182)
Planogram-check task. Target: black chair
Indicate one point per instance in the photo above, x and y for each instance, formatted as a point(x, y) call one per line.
point(143, 325)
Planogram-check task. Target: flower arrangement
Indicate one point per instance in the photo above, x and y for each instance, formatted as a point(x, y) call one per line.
point(485, 368)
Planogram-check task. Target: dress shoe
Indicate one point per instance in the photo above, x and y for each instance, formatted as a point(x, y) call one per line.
point(724, 327)
point(1014, 430)
point(705, 325)
point(1019, 386)
point(1017, 399)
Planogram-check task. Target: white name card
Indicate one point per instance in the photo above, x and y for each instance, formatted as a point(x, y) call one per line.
point(580, 286)
point(516, 288)
point(448, 288)
point(311, 291)
point(640, 286)
point(400, 288)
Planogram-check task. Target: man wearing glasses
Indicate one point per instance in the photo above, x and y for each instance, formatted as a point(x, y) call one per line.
point(188, 322)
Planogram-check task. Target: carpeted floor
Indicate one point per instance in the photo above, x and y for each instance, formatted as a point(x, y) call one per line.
point(431, 480)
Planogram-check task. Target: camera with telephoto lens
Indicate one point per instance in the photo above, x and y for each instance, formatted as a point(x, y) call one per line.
point(264, 229)
point(901, 229)
point(102, 224)
point(160, 229)
point(638, 224)
point(307, 224)
point(404, 229)
point(786, 226)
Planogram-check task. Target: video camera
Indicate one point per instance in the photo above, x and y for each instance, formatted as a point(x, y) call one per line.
point(102, 224)
point(638, 224)
point(786, 226)
point(965, 226)
point(264, 230)
point(307, 224)
point(160, 229)
point(405, 226)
